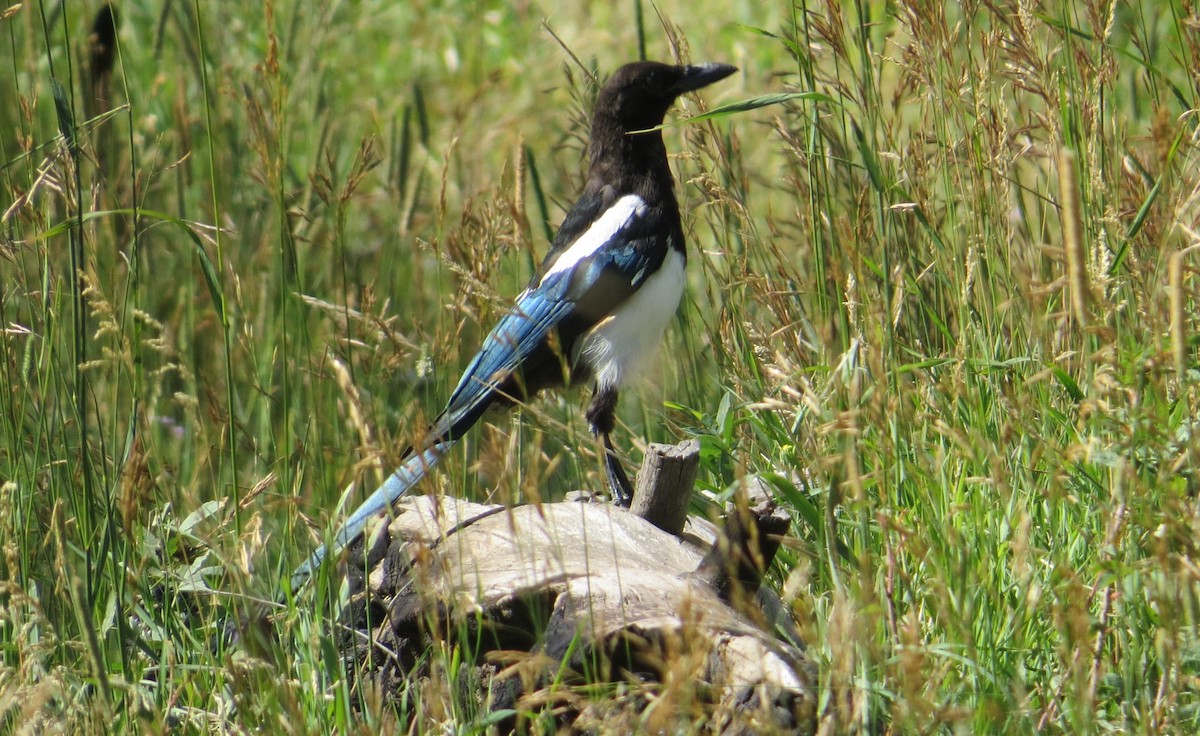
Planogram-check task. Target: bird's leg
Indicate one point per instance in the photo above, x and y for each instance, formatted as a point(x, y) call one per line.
point(601, 415)
point(618, 482)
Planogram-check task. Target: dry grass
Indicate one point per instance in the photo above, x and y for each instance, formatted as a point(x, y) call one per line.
point(283, 231)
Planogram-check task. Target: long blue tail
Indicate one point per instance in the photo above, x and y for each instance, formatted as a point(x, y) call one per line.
point(397, 484)
point(515, 361)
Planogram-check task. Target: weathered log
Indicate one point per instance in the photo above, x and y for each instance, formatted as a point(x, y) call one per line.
point(558, 595)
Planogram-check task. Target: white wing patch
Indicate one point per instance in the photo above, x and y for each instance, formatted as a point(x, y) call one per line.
point(599, 234)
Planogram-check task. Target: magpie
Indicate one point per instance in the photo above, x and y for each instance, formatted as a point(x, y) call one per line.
point(600, 302)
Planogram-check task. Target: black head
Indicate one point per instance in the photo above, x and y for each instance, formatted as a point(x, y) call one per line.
point(638, 95)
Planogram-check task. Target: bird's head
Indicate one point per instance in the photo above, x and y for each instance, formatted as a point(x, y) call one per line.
point(638, 95)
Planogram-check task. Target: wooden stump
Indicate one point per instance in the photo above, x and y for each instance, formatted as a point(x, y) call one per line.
point(553, 599)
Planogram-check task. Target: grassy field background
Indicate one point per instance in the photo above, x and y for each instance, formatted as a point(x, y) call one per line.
point(947, 310)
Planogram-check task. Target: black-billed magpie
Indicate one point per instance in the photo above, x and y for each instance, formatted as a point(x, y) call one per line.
point(601, 300)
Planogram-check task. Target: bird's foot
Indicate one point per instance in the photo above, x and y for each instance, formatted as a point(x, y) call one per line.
point(618, 481)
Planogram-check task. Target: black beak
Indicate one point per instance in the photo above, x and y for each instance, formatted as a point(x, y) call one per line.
point(701, 75)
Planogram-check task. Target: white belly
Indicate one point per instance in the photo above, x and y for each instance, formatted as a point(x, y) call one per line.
point(621, 343)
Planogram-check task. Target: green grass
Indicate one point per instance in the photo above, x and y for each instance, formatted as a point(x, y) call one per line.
point(269, 260)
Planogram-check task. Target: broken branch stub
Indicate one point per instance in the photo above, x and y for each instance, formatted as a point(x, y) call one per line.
point(664, 485)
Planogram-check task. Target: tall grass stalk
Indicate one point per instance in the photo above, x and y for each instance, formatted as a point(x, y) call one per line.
point(962, 358)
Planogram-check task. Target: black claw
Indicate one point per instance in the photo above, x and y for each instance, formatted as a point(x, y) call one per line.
point(618, 481)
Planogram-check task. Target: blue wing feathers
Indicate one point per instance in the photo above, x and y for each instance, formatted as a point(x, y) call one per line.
point(520, 332)
point(581, 296)
point(516, 358)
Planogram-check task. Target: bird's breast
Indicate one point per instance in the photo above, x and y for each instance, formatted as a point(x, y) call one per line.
point(621, 343)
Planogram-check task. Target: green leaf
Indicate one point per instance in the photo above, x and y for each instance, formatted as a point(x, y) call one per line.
point(743, 106)
point(1140, 218)
point(206, 265)
point(66, 117)
point(207, 510)
point(793, 48)
point(1068, 383)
